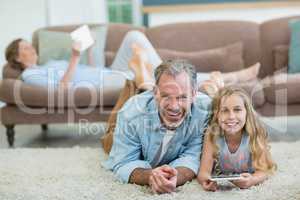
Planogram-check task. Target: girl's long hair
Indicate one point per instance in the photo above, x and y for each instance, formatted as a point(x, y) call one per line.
point(259, 148)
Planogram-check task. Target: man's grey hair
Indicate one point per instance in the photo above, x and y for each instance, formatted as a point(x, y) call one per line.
point(175, 67)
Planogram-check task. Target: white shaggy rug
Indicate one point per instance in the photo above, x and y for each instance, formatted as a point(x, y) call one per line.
point(76, 173)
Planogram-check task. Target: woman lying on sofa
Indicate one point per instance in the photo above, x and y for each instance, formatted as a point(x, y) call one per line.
point(136, 59)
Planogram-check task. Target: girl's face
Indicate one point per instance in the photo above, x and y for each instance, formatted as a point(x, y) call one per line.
point(232, 114)
point(27, 54)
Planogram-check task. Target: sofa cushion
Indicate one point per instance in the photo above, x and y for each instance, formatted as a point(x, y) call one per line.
point(281, 57)
point(283, 89)
point(202, 35)
point(54, 45)
point(294, 58)
point(17, 92)
point(225, 59)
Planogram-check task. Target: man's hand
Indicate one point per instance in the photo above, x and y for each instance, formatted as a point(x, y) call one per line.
point(245, 182)
point(163, 179)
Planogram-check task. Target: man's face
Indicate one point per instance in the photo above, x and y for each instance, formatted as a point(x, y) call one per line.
point(174, 96)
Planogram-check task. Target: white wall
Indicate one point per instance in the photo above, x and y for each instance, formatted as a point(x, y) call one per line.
point(20, 18)
point(76, 11)
point(137, 13)
point(256, 15)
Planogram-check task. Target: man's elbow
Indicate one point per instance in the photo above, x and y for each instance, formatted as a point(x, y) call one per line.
point(185, 175)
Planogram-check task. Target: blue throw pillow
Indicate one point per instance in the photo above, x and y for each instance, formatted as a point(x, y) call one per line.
point(294, 49)
point(54, 45)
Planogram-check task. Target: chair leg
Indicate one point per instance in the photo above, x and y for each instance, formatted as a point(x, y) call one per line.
point(44, 127)
point(10, 133)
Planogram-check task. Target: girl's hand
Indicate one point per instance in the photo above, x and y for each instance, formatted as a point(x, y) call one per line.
point(209, 185)
point(245, 182)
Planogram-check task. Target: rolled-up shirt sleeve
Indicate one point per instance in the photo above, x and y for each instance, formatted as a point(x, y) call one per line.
point(125, 155)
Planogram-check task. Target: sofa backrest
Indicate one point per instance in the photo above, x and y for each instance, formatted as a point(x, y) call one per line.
point(66, 28)
point(197, 36)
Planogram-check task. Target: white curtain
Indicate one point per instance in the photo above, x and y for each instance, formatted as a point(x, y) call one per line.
point(63, 12)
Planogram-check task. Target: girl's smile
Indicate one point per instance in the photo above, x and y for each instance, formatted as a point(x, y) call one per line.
point(232, 114)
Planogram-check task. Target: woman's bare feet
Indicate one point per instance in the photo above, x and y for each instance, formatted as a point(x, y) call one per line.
point(217, 77)
point(242, 75)
point(213, 85)
point(209, 87)
point(142, 69)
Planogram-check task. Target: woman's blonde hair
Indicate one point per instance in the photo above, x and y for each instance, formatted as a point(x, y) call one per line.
point(260, 150)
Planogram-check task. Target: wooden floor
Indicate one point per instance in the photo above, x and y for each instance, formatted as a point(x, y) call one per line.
point(70, 135)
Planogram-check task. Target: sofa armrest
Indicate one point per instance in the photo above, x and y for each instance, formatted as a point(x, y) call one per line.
point(283, 89)
point(281, 57)
point(18, 93)
point(10, 72)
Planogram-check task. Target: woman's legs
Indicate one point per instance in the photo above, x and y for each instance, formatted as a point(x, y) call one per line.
point(130, 47)
point(143, 70)
point(137, 58)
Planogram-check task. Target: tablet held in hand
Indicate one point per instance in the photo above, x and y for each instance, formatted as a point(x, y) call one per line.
point(83, 36)
point(222, 177)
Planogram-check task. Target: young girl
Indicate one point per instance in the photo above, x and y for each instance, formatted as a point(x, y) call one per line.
point(235, 142)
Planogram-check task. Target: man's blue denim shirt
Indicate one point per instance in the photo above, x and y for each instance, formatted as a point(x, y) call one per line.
point(139, 133)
